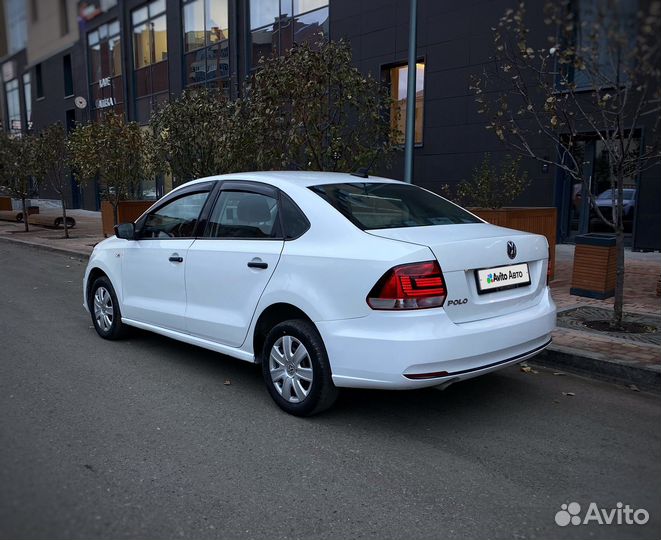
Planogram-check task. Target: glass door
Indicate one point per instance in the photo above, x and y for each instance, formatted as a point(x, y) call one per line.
point(579, 214)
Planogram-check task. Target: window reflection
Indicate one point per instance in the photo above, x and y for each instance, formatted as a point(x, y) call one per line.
point(142, 46)
point(311, 28)
point(206, 33)
point(159, 28)
point(278, 26)
point(193, 25)
point(115, 49)
point(150, 45)
point(263, 12)
point(264, 42)
point(104, 53)
point(13, 106)
point(398, 76)
point(303, 6)
point(217, 23)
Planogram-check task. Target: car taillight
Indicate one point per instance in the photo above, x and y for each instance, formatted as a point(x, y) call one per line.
point(409, 286)
point(549, 268)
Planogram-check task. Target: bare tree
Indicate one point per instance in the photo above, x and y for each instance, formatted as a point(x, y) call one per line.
point(52, 164)
point(598, 72)
point(17, 171)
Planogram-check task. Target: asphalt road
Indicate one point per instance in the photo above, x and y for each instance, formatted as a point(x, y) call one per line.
point(143, 439)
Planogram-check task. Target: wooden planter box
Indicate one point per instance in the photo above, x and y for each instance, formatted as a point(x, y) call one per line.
point(127, 211)
point(529, 219)
point(5, 203)
point(595, 264)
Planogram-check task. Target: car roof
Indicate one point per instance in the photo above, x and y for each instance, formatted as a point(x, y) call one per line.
point(284, 179)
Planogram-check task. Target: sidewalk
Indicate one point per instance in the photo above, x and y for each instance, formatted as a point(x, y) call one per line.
point(622, 359)
point(83, 237)
point(616, 357)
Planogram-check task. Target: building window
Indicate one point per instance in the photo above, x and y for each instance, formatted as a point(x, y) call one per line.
point(39, 81)
point(68, 75)
point(613, 21)
point(276, 26)
point(206, 43)
point(16, 25)
point(27, 96)
point(150, 58)
point(104, 56)
point(70, 120)
point(397, 77)
point(64, 18)
point(13, 107)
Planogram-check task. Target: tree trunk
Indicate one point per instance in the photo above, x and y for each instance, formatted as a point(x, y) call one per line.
point(64, 217)
point(115, 212)
point(25, 215)
point(618, 306)
point(618, 218)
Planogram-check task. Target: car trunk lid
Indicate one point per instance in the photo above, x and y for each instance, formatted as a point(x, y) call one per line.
point(463, 249)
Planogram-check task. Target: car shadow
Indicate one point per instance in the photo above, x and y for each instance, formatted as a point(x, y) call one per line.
point(482, 397)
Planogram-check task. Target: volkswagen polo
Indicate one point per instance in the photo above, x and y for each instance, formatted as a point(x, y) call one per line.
point(327, 280)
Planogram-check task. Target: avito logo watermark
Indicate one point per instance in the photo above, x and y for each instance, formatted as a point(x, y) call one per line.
point(622, 514)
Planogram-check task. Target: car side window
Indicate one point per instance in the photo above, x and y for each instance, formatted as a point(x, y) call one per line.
point(242, 214)
point(294, 221)
point(177, 219)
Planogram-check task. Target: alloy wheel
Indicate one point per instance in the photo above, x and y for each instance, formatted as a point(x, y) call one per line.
point(103, 309)
point(291, 369)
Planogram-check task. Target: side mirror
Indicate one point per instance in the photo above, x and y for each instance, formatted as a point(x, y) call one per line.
point(125, 231)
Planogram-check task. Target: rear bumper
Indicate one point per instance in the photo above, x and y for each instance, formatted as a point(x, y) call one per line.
point(416, 349)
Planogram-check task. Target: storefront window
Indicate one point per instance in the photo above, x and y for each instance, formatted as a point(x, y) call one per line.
point(206, 42)
point(104, 53)
point(142, 45)
point(12, 95)
point(277, 26)
point(193, 25)
point(150, 58)
point(398, 79)
point(27, 95)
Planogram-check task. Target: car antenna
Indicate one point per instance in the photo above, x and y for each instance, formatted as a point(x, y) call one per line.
point(361, 173)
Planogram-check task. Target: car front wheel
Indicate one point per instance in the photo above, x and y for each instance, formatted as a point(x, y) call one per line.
point(296, 370)
point(104, 307)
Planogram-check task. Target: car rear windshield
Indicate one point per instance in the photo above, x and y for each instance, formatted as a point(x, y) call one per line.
point(375, 205)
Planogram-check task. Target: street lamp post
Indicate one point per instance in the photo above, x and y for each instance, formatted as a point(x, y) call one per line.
point(411, 95)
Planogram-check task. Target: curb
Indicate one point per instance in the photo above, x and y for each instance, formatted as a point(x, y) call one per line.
point(45, 247)
point(596, 367)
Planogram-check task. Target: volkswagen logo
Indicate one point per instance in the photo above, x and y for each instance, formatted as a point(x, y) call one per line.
point(511, 249)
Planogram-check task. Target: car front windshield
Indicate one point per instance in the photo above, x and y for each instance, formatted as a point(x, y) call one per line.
point(386, 205)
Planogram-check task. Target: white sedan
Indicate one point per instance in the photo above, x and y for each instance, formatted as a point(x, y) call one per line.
point(328, 280)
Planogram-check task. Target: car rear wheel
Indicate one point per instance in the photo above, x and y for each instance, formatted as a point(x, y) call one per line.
point(296, 370)
point(104, 307)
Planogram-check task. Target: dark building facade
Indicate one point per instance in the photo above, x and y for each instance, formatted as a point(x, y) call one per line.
point(133, 55)
point(455, 42)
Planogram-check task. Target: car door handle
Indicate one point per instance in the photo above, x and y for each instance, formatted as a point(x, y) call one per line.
point(176, 258)
point(258, 264)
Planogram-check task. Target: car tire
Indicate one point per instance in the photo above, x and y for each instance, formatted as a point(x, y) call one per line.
point(299, 380)
point(104, 308)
